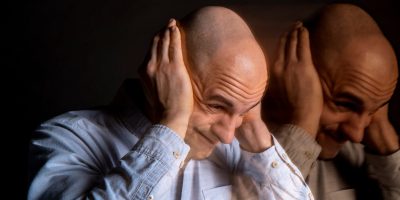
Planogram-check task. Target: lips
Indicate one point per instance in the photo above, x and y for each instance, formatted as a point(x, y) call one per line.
point(335, 136)
point(212, 142)
point(207, 139)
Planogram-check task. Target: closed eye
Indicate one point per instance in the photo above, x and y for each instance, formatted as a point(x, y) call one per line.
point(215, 108)
point(347, 106)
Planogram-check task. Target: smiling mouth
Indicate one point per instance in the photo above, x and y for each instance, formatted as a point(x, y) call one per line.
point(208, 140)
point(335, 137)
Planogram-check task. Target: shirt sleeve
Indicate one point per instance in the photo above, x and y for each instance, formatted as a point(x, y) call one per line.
point(271, 174)
point(302, 149)
point(67, 169)
point(386, 170)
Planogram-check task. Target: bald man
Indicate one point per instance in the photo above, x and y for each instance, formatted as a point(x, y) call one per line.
point(333, 105)
point(161, 139)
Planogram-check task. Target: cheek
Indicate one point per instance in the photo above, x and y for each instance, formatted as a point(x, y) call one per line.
point(200, 118)
point(329, 116)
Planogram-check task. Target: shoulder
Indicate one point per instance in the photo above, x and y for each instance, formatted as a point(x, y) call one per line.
point(74, 128)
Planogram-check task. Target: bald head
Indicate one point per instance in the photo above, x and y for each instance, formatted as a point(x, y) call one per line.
point(213, 34)
point(344, 38)
point(346, 32)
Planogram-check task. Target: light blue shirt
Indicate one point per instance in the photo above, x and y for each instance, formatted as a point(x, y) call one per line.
point(108, 154)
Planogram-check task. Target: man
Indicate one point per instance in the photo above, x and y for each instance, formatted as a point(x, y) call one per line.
point(157, 141)
point(335, 124)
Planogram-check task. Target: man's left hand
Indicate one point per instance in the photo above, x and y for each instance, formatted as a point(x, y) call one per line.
point(380, 136)
point(253, 134)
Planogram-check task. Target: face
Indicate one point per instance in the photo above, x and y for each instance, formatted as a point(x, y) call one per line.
point(223, 94)
point(351, 96)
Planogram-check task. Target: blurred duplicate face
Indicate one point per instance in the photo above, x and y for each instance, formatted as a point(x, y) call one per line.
point(356, 82)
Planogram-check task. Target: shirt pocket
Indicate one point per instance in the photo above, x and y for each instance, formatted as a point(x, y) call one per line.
point(348, 194)
point(218, 193)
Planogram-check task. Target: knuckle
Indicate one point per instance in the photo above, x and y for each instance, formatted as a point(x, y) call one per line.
point(149, 71)
point(172, 48)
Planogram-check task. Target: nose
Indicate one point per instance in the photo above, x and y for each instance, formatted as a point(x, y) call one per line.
point(224, 129)
point(354, 126)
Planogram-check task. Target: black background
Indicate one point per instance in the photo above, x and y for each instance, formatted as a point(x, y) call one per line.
point(69, 54)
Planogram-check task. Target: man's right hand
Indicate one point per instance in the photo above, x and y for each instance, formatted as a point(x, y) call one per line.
point(296, 80)
point(169, 80)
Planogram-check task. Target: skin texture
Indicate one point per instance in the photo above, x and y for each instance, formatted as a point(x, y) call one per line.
point(209, 76)
point(339, 94)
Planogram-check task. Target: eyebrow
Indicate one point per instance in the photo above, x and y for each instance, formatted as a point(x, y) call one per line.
point(350, 96)
point(356, 99)
point(229, 103)
point(222, 99)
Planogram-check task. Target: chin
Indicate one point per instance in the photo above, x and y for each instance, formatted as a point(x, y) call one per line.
point(330, 147)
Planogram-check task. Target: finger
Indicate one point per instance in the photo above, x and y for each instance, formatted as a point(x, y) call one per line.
point(165, 45)
point(303, 48)
point(151, 67)
point(175, 45)
point(291, 46)
point(280, 57)
point(171, 23)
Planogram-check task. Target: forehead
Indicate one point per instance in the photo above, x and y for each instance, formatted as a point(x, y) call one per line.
point(364, 86)
point(235, 88)
point(238, 85)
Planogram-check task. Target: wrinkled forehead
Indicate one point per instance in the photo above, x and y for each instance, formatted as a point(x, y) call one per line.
point(369, 75)
point(237, 77)
point(365, 59)
point(367, 86)
point(244, 62)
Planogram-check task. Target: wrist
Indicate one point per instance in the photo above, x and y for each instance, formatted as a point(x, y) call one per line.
point(177, 122)
point(309, 123)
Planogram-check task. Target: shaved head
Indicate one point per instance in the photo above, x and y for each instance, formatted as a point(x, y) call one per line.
point(346, 32)
point(210, 28)
point(212, 34)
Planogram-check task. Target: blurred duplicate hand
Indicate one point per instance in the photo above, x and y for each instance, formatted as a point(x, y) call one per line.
point(380, 136)
point(296, 82)
point(169, 81)
point(253, 134)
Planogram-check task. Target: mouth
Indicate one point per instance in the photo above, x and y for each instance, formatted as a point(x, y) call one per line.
point(206, 139)
point(335, 137)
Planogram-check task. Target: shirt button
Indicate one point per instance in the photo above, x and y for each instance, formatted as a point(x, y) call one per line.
point(150, 197)
point(274, 164)
point(176, 154)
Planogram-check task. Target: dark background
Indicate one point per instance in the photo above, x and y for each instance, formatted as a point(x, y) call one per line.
point(69, 54)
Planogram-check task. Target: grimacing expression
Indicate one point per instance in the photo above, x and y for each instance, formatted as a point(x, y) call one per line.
point(361, 82)
point(234, 84)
